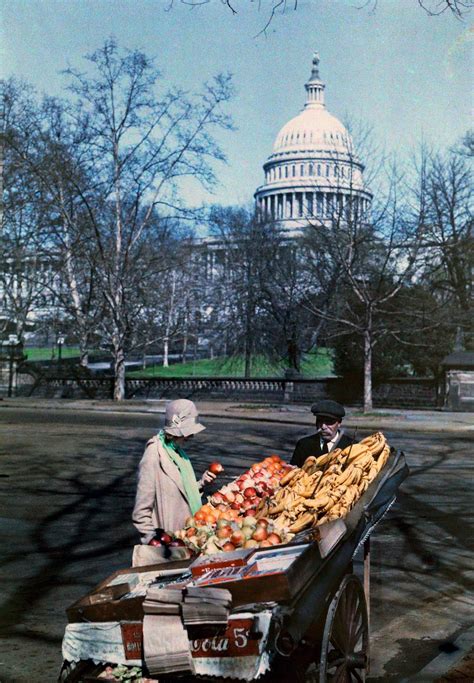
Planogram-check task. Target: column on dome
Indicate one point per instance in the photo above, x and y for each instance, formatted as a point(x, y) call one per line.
point(279, 200)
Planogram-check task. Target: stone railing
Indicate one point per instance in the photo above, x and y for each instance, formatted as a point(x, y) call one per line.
point(395, 393)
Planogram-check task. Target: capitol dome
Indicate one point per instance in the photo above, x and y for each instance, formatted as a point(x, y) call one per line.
point(313, 170)
point(313, 129)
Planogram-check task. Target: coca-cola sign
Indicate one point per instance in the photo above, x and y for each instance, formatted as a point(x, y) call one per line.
point(236, 641)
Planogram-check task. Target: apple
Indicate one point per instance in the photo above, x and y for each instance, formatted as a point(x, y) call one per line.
point(250, 521)
point(230, 496)
point(228, 547)
point(251, 543)
point(260, 534)
point(263, 522)
point(249, 492)
point(155, 542)
point(235, 506)
point(250, 513)
point(274, 538)
point(224, 532)
point(239, 498)
point(238, 537)
point(218, 498)
point(215, 468)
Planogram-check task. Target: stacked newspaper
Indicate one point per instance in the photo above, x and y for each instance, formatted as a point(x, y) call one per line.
point(204, 605)
point(165, 640)
point(162, 600)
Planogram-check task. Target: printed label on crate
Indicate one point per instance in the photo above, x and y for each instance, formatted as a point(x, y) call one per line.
point(236, 641)
point(132, 637)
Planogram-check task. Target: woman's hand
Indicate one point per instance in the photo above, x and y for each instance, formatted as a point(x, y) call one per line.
point(207, 478)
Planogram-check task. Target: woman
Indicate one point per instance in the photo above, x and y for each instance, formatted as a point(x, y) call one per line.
point(167, 491)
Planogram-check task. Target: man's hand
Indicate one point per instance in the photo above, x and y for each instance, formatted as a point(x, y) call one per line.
point(207, 478)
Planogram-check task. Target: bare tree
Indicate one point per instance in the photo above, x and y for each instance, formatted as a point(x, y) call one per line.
point(137, 145)
point(360, 261)
point(446, 199)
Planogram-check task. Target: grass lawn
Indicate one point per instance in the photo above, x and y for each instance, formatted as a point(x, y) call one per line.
point(43, 353)
point(318, 364)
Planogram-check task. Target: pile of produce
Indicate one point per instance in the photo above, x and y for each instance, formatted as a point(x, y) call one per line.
point(227, 535)
point(327, 487)
point(227, 521)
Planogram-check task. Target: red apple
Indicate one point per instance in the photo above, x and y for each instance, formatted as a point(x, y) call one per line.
point(265, 544)
point(228, 547)
point(263, 522)
point(215, 468)
point(230, 496)
point(249, 492)
point(217, 498)
point(224, 532)
point(155, 542)
point(274, 539)
point(260, 534)
point(237, 537)
point(250, 512)
point(166, 538)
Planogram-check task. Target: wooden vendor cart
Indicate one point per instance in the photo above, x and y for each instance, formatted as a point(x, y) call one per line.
point(308, 621)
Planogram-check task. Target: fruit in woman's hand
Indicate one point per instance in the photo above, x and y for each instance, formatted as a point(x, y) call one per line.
point(216, 468)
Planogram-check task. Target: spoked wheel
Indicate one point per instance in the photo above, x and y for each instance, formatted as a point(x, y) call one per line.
point(345, 643)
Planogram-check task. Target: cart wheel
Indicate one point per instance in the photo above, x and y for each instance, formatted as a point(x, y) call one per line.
point(345, 644)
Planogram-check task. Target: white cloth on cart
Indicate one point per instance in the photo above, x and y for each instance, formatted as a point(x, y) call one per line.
point(102, 642)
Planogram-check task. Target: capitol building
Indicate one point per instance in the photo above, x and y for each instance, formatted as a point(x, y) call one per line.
point(313, 173)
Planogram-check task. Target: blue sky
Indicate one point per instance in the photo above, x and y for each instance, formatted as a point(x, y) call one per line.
point(407, 74)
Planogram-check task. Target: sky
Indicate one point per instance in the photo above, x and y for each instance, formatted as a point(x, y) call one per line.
point(385, 62)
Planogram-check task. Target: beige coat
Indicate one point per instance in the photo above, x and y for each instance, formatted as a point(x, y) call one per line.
point(160, 500)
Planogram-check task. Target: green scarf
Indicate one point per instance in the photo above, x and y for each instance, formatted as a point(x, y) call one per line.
point(183, 463)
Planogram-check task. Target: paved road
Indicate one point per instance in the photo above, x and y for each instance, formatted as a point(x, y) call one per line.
point(66, 494)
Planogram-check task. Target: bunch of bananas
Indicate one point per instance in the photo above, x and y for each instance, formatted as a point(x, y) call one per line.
point(327, 487)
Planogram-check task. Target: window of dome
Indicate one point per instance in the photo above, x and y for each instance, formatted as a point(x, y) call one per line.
point(336, 171)
point(279, 172)
point(302, 170)
point(310, 169)
point(343, 172)
point(327, 171)
point(319, 169)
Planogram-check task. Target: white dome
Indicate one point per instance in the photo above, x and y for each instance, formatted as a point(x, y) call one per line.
point(313, 129)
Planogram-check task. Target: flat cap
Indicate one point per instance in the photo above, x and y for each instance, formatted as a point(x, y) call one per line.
point(328, 408)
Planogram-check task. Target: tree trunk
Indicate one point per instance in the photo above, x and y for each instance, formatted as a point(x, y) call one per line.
point(367, 370)
point(119, 373)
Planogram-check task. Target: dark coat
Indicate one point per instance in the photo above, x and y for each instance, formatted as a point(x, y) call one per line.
point(311, 445)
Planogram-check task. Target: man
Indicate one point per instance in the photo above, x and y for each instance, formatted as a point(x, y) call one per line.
point(329, 434)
